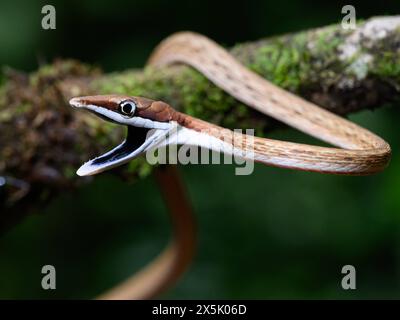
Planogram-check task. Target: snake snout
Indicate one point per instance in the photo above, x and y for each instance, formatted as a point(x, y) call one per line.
point(76, 102)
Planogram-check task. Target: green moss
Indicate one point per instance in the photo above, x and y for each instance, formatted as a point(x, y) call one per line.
point(386, 58)
point(327, 40)
point(201, 98)
point(60, 69)
point(295, 61)
point(387, 65)
point(119, 83)
point(162, 88)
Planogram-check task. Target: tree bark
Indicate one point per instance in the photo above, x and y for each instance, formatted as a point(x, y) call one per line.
point(43, 140)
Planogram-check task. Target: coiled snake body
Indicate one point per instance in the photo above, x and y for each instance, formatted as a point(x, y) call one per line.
point(357, 151)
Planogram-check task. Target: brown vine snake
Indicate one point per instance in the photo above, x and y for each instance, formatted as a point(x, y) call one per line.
point(357, 151)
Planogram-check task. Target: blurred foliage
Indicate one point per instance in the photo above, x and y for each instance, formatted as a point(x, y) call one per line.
point(273, 234)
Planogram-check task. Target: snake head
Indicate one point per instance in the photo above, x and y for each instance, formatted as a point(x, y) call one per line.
point(147, 122)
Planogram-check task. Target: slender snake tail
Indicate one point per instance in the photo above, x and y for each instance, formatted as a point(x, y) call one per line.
point(359, 151)
point(165, 270)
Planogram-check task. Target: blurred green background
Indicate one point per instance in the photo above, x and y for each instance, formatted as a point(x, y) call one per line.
point(273, 234)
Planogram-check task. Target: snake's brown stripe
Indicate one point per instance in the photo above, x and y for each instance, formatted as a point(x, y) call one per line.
point(359, 152)
point(362, 151)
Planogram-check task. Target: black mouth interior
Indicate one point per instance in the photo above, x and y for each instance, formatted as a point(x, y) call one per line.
point(136, 136)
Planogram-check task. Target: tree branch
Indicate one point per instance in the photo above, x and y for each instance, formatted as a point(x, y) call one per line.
point(43, 140)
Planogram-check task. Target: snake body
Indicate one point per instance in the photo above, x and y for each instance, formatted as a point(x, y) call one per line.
point(357, 151)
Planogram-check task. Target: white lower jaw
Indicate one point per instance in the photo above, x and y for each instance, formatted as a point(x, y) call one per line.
point(90, 168)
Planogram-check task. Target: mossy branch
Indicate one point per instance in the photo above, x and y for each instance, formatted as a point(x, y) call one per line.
point(43, 140)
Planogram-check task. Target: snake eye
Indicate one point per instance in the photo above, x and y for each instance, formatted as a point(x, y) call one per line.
point(127, 108)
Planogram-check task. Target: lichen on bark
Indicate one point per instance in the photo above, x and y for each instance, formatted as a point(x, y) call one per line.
point(43, 140)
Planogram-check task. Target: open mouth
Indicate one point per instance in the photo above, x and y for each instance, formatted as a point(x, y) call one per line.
point(142, 135)
point(138, 141)
point(135, 138)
